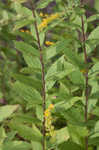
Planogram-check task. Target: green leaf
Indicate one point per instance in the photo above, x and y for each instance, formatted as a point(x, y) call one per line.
point(67, 104)
point(97, 147)
point(94, 88)
point(30, 81)
point(30, 70)
point(78, 22)
point(6, 111)
point(2, 135)
point(23, 22)
point(39, 112)
point(16, 145)
point(70, 55)
point(54, 69)
point(26, 118)
point(74, 58)
point(63, 93)
point(20, 1)
point(97, 127)
point(74, 115)
point(64, 89)
point(77, 133)
point(22, 12)
point(28, 38)
point(93, 141)
point(32, 62)
point(96, 110)
point(95, 95)
point(43, 3)
point(94, 69)
point(26, 132)
point(37, 130)
point(68, 68)
point(52, 51)
point(91, 44)
point(77, 78)
point(70, 145)
point(26, 48)
point(36, 146)
point(42, 37)
point(50, 84)
point(59, 69)
point(96, 5)
point(95, 133)
point(94, 35)
point(63, 133)
point(10, 136)
point(29, 94)
point(63, 44)
point(93, 18)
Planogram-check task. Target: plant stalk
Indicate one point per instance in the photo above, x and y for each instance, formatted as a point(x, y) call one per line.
point(43, 77)
point(86, 79)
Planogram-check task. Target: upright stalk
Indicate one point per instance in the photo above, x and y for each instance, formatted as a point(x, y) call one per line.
point(86, 78)
point(43, 76)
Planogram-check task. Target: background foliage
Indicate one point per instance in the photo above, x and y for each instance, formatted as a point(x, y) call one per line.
point(22, 105)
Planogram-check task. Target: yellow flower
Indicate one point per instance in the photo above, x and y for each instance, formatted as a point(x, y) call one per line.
point(43, 24)
point(48, 121)
point(83, 70)
point(27, 31)
point(51, 106)
point(22, 30)
point(48, 43)
point(53, 16)
point(47, 113)
point(48, 20)
point(41, 14)
point(46, 15)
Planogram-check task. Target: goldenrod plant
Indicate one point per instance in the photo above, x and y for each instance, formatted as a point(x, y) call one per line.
point(49, 76)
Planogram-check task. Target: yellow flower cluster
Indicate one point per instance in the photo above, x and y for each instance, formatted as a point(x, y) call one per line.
point(83, 71)
point(48, 119)
point(48, 43)
point(43, 15)
point(47, 20)
point(48, 111)
point(27, 31)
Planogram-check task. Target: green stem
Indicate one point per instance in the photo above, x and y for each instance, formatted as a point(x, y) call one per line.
point(86, 79)
point(43, 77)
